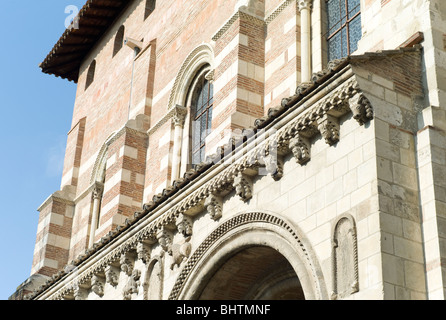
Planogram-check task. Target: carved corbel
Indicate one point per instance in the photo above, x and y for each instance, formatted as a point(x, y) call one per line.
point(132, 285)
point(164, 237)
point(243, 186)
point(361, 108)
point(300, 147)
point(328, 126)
point(273, 165)
point(127, 263)
point(143, 252)
point(111, 275)
point(97, 284)
point(184, 225)
point(80, 293)
point(214, 206)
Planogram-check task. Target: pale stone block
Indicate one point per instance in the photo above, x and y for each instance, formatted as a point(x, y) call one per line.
point(387, 243)
point(129, 152)
point(361, 194)
point(394, 271)
point(57, 219)
point(387, 150)
point(404, 176)
point(414, 275)
point(343, 204)
point(355, 159)
point(164, 163)
point(289, 25)
point(315, 201)
point(408, 249)
point(366, 172)
point(274, 65)
point(165, 139)
point(268, 45)
point(340, 167)
point(334, 191)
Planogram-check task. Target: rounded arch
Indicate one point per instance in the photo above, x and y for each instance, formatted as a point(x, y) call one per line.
point(243, 232)
point(199, 57)
point(99, 167)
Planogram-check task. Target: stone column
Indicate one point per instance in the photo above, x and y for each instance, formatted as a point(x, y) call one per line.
point(178, 120)
point(97, 195)
point(305, 30)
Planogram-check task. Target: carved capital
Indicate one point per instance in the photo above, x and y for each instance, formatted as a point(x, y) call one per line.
point(243, 186)
point(328, 126)
point(179, 116)
point(300, 147)
point(97, 190)
point(305, 4)
point(214, 206)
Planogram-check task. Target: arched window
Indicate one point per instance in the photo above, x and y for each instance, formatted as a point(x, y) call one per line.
point(90, 74)
point(202, 101)
point(150, 7)
point(344, 27)
point(119, 40)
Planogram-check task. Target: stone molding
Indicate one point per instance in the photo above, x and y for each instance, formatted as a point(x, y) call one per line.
point(305, 119)
point(226, 227)
point(278, 10)
point(200, 56)
point(239, 14)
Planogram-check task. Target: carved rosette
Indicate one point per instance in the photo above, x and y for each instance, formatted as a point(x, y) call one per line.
point(214, 206)
point(243, 186)
point(300, 147)
point(328, 126)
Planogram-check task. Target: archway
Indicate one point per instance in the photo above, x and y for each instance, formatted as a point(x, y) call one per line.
point(254, 273)
point(252, 255)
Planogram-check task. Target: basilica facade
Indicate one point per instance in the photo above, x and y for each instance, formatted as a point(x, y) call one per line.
point(249, 149)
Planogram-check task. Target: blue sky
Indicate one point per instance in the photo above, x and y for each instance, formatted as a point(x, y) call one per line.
point(36, 111)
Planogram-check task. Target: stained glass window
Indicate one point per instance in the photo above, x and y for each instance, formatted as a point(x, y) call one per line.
point(202, 118)
point(344, 27)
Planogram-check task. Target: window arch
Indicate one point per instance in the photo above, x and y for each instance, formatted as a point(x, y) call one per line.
point(344, 27)
point(119, 40)
point(150, 7)
point(201, 103)
point(90, 74)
